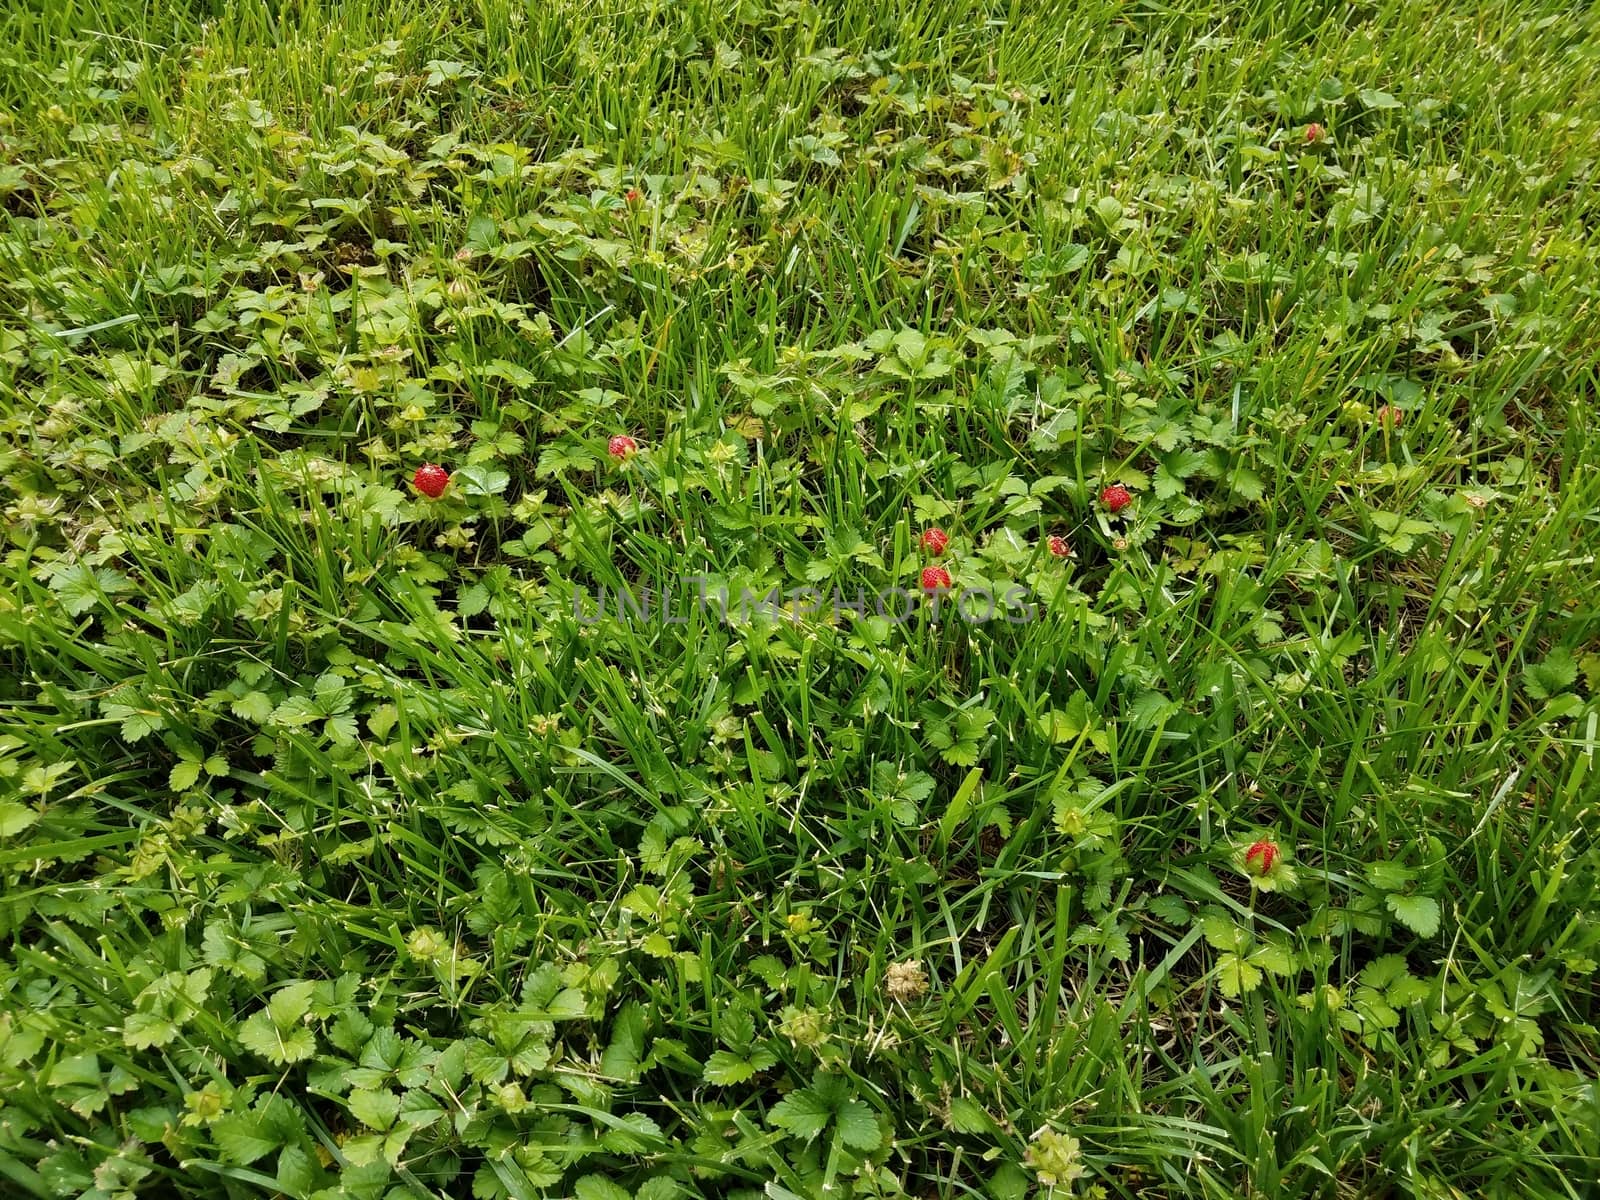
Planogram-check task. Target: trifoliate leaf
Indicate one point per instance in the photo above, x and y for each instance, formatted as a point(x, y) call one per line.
point(1557, 673)
point(81, 587)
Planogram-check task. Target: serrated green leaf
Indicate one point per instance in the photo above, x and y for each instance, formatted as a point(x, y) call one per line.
point(968, 1116)
point(291, 1002)
point(622, 1054)
point(480, 480)
point(634, 1133)
point(1270, 956)
point(244, 1137)
point(258, 1034)
point(184, 775)
point(1389, 876)
point(81, 587)
point(725, 1067)
point(418, 1109)
point(658, 1187)
point(375, 1108)
point(1235, 976)
point(858, 1126)
point(1169, 908)
point(296, 1172)
point(255, 707)
point(1420, 914)
point(142, 1030)
point(1220, 932)
point(1382, 972)
point(598, 1187)
point(1554, 675)
point(14, 818)
point(802, 1112)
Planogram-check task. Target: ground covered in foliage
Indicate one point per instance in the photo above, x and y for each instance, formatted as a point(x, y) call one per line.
point(349, 850)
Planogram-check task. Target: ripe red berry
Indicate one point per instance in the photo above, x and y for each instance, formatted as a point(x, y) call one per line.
point(1058, 545)
point(934, 540)
point(1263, 852)
point(1390, 417)
point(935, 579)
point(632, 196)
point(1116, 497)
point(622, 447)
point(431, 479)
point(1314, 133)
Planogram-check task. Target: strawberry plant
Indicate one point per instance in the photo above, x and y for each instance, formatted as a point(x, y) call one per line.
point(779, 602)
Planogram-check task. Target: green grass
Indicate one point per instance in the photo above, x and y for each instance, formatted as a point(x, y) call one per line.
point(341, 858)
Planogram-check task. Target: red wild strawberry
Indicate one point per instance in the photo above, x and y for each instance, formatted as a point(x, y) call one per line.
point(934, 541)
point(1314, 134)
point(1058, 545)
point(1116, 497)
point(1266, 852)
point(431, 479)
point(632, 196)
point(935, 579)
point(1390, 417)
point(622, 447)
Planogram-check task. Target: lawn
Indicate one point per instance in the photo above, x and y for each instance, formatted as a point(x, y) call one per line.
point(744, 598)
